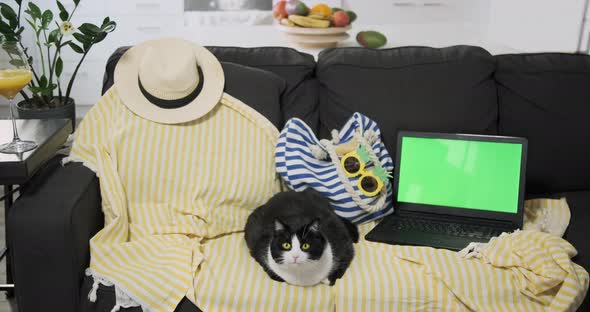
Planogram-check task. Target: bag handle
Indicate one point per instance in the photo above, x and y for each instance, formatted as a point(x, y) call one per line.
point(329, 146)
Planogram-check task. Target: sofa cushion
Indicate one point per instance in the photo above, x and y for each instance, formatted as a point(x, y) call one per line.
point(240, 81)
point(545, 98)
point(299, 98)
point(409, 88)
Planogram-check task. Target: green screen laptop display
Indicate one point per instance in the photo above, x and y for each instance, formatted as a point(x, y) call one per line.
point(460, 173)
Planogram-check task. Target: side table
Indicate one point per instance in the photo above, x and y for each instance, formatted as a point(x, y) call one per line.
point(17, 169)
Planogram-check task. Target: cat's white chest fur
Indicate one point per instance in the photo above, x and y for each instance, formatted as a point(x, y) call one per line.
point(308, 273)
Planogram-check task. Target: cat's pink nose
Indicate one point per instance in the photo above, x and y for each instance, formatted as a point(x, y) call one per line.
point(295, 258)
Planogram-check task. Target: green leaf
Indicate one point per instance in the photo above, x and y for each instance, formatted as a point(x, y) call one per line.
point(46, 18)
point(106, 20)
point(59, 67)
point(53, 36)
point(89, 29)
point(76, 48)
point(46, 91)
point(60, 6)
point(11, 48)
point(43, 81)
point(76, 2)
point(35, 89)
point(82, 38)
point(7, 12)
point(109, 27)
point(10, 37)
point(5, 29)
point(20, 30)
point(100, 37)
point(32, 24)
point(10, 15)
point(63, 13)
point(17, 63)
point(13, 24)
point(34, 10)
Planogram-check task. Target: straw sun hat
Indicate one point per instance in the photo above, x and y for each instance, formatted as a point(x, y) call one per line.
point(169, 80)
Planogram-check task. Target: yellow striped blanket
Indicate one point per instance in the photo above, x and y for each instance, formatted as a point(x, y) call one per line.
point(175, 198)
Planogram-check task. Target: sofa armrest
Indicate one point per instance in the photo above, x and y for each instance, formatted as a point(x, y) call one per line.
point(49, 228)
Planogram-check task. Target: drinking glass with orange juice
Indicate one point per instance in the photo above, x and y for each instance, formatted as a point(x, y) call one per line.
point(15, 74)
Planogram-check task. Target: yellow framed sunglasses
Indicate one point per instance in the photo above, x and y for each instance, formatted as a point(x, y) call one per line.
point(371, 182)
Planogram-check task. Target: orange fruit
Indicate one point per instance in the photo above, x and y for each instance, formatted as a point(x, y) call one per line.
point(321, 9)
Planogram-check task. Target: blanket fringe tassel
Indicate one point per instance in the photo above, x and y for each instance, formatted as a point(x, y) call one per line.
point(122, 298)
point(92, 293)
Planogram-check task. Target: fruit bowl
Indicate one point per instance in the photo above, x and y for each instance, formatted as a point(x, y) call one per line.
point(318, 27)
point(314, 31)
point(315, 37)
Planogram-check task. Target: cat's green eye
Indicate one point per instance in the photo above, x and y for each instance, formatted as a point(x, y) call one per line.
point(305, 246)
point(286, 246)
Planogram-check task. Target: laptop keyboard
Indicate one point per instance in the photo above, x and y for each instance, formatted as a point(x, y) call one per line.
point(447, 228)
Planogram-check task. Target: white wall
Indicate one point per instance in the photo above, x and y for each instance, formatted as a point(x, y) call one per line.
point(536, 25)
point(419, 11)
point(517, 25)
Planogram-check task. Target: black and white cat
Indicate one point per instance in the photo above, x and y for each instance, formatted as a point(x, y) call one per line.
point(298, 238)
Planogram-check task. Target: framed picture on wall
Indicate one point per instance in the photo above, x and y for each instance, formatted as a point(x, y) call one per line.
point(201, 13)
point(244, 5)
point(227, 5)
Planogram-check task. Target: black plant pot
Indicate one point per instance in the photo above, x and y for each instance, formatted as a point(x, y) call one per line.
point(67, 111)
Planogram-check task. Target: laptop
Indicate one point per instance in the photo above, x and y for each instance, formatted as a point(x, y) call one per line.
point(454, 189)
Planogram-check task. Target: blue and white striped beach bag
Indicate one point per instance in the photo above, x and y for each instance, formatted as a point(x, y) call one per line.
point(304, 161)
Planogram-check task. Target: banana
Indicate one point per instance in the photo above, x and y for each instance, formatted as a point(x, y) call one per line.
point(319, 17)
point(288, 23)
point(305, 21)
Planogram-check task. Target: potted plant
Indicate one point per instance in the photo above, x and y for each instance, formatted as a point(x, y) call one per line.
point(49, 97)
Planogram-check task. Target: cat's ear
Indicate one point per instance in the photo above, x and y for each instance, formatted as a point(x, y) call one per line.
point(279, 226)
point(314, 226)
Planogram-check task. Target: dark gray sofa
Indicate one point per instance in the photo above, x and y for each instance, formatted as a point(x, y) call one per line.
point(543, 97)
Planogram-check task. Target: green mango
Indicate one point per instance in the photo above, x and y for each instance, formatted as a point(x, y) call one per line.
point(351, 15)
point(371, 39)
